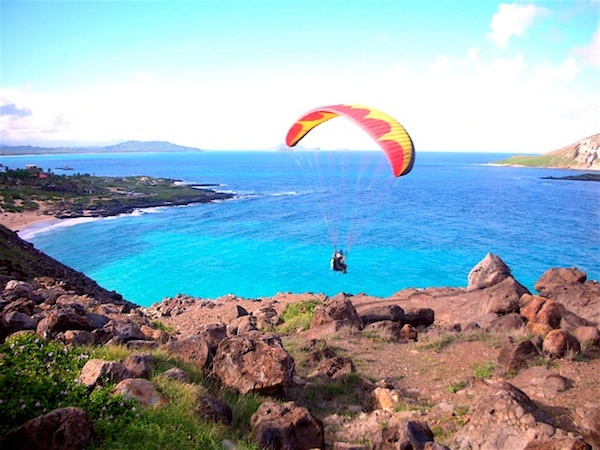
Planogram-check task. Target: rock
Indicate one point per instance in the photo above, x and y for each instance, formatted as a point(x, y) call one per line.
point(17, 321)
point(78, 337)
point(238, 311)
point(490, 271)
point(384, 329)
point(379, 313)
point(98, 370)
point(507, 322)
point(60, 320)
point(266, 317)
point(318, 351)
point(213, 409)
point(254, 362)
point(193, 349)
point(516, 356)
point(407, 434)
point(175, 373)
point(286, 426)
point(23, 305)
point(501, 298)
point(587, 336)
point(141, 390)
point(213, 334)
point(62, 429)
point(538, 309)
point(408, 333)
point(504, 418)
point(560, 343)
point(124, 330)
point(241, 325)
point(590, 423)
point(334, 367)
point(540, 382)
point(386, 398)
point(565, 443)
point(140, 365)
point(419, 316)
point(570, 287)
point(339, 309)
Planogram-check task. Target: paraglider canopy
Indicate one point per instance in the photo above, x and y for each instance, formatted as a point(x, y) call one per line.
point(389, 134)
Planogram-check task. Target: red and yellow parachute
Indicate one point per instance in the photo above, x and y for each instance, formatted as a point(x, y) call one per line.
point(387, 132)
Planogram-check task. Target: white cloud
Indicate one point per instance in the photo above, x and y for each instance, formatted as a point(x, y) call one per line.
point(512, 20)
point(457, 104)
point(591, 52)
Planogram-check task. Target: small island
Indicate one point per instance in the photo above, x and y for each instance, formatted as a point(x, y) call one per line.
point(48, 195)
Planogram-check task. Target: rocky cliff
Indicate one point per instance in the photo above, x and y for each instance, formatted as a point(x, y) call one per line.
point(583, 155)
point(20, 260)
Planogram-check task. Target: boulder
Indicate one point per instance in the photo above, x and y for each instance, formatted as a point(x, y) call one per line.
point(565, 443)
point(408, 333)
point(78, 337)
point(175, 373)
point(124, 330)
point(254, 362)
point(97, 370)
point(214, 409)
point(570, 287)
point(589, 422)
point(504, 418)
point(408, 434)
point(318, 352)
point(60, 320)
point(334, 367)
point(193, 349)
point(23, 305)
point(286, 426)
point(339, 309)
point(140, 365)
point(241, 325)
point(507, 322)
point(266, 317)
point(17, 321)
point(538, 309)
point(384, 329)
point(62, 429)
point(419, 316)
point(560, 343)
point(378, 313)
point(516, 356)
point(540, 382)
point(501, 298)
point(490, 271)
point(141, 390)
point(587, 336)
point(213, 334)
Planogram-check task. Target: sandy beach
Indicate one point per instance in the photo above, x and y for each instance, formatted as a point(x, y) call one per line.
point(22, 220)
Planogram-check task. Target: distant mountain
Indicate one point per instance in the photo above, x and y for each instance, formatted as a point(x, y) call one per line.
point(123, 147)
point(582, 155)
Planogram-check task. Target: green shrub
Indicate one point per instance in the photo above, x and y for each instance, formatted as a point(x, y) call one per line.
point(298, 315)
point(38, 376)
point(483, 371)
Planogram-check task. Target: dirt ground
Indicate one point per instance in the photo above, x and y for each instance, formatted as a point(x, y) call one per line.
point(441, 376)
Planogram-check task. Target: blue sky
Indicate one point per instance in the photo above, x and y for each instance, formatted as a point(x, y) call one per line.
point(519, 77)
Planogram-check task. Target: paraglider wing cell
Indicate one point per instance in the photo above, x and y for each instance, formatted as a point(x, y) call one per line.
point(387, 132)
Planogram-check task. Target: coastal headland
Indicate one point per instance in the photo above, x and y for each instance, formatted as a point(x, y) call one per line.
point(33, 195)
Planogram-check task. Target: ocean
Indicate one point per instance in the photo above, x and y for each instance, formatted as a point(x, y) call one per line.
point(426, 229)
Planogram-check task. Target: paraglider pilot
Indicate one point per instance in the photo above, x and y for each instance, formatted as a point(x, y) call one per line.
point(338, 261)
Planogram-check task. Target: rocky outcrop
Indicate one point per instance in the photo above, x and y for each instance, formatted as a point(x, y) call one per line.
point(286, 426)
point(21, 261)
point(254, 362)
point(505, 418)
point(62, 429)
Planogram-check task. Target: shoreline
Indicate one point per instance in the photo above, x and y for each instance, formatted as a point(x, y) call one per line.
point(26, 220)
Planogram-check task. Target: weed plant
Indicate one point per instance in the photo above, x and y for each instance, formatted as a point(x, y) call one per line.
point(38, 376)
point(298, 316)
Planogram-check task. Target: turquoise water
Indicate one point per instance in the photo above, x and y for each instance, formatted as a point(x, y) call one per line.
point(426, 229)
